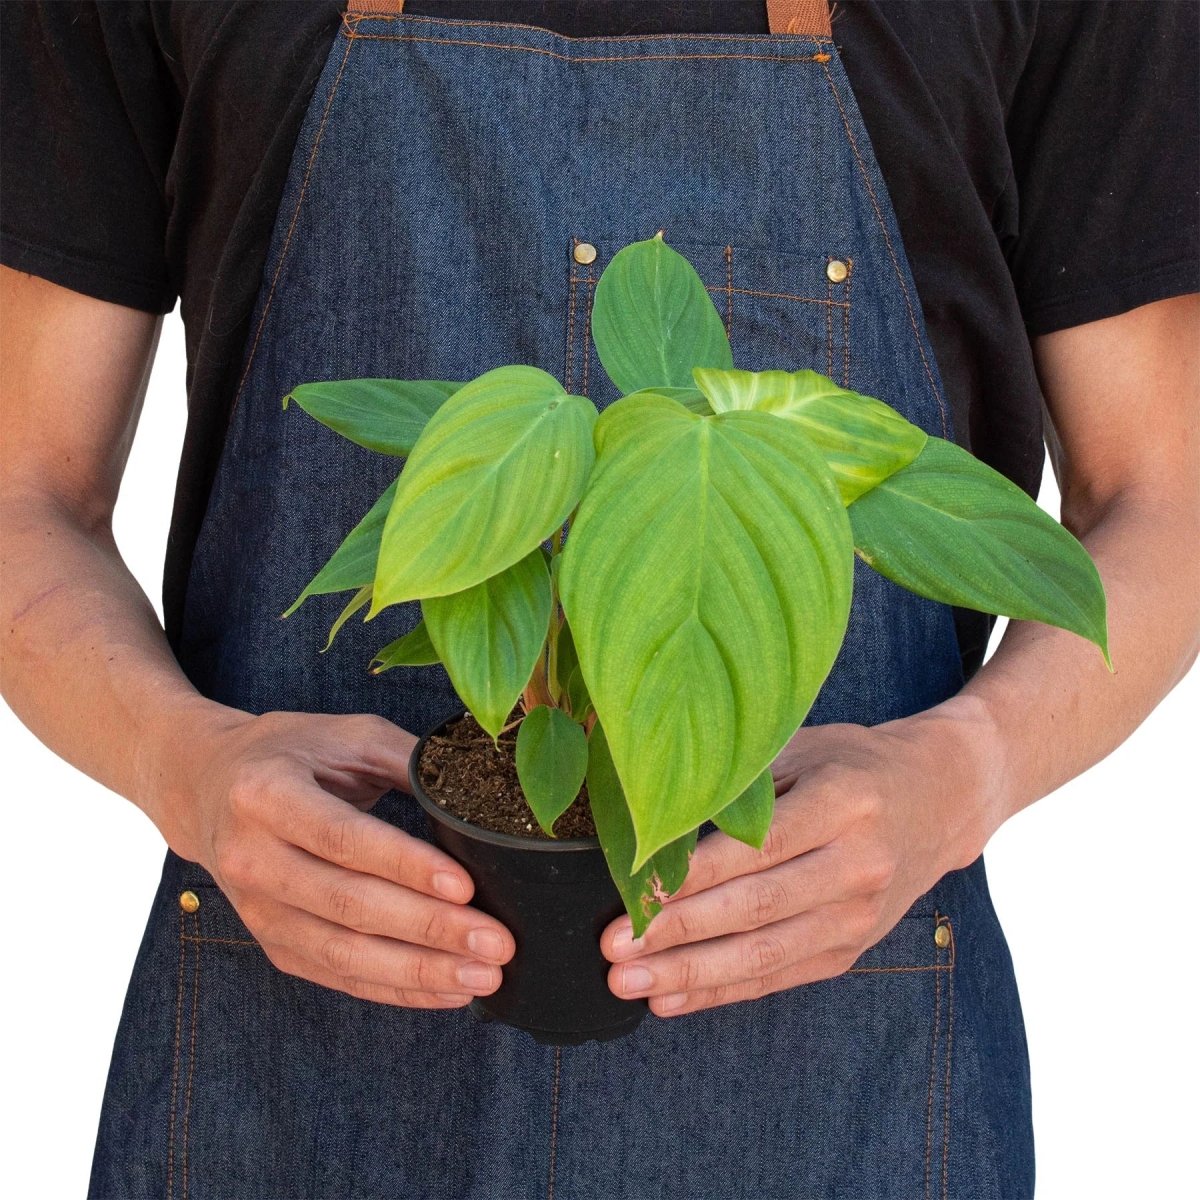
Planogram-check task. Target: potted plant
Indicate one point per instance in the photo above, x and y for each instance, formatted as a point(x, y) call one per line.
point(637, 675)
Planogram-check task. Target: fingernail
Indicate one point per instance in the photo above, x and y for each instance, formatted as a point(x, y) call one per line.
point(450, 886)
point(635, 980)
point(622, 942)
point(478, 977)
point(485, 943)
point(671, 1003)
point(453, 997)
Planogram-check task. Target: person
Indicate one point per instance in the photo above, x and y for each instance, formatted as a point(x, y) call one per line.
point(952, 207)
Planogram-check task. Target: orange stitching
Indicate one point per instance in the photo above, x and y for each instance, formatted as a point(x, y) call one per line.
point(287, 241)
point(587, 337)
point(579, 58)
point(891, 250)
point(889, 970)
point(937, 1021)
point(554, 1122)
point(175, 1068)
point(220, 941)
point(187, 1104)
point(829, 325)
point(569, 366)
point(753, 39)
point(949, 1052)
point(846, 326)
point(729, 294)
point(739, 291)
point(777, 296)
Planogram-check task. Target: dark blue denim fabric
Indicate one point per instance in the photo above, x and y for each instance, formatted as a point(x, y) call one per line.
point(442, 178)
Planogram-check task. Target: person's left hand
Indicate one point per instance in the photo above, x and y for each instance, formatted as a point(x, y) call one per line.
point(866, 820)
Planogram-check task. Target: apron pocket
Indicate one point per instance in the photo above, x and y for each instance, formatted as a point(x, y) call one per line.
point(782, 310)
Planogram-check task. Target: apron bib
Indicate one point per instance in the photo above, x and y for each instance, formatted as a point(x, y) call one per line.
point(448, 190)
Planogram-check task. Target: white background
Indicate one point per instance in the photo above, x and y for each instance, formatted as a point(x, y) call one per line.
point(1094, 886)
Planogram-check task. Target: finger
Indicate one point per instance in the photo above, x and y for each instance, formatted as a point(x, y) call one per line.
point(370, 959)
point(726, 960)
point(803, 822)
point(294, 965)
point(821, 966)
point(379, 747)
point(743, 903)
point(337, 832)
point(369, 904)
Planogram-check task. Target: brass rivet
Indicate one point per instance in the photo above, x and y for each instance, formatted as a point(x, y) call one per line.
point(837, 271)
point(189, 901)
point(585, 253)
point(941, 936)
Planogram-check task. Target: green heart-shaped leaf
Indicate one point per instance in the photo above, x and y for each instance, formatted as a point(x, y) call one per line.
point(498, 468)
point(949, 527)
point(552, 759)
point(413, 649)
point(863, 440)
point(386, 415)
point(645, 889)
point(653, 319)
point(352, 564)
point(749, 816)
point(489, 637)
point(725, 559)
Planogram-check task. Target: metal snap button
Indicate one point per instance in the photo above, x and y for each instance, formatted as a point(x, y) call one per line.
point(585, 253)
point(837, 271)
point(941, 937)
point(189, 902)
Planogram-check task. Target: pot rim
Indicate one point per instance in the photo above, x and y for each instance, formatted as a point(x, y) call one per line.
point(540, 845)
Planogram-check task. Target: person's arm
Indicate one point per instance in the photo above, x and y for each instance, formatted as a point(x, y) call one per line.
point(273, 805)
point(869, 819)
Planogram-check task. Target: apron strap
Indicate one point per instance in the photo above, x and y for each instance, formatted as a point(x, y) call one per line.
point(805, 18)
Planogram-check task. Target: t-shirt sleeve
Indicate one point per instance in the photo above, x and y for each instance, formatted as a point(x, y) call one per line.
point(1105, 146)
point(88, 113)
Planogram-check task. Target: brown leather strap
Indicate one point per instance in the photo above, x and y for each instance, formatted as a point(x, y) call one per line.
point(805, 18)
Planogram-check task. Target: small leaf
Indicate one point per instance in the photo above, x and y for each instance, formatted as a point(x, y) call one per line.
point(552, 759)
point(386, 415)
point(644, 890)
point(498, 469)
point(950, 528)
point(489, 637)
point(414, 649)
point(653, 319)
point(352, 564)
point(863, 440)
point(749, 816)
point(359, 601)
point(577, 695)
point(566, 660)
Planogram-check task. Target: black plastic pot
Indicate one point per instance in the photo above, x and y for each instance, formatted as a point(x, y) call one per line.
point(556, 897)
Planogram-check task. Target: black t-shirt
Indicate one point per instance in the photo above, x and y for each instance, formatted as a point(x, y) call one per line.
point(1041, 157)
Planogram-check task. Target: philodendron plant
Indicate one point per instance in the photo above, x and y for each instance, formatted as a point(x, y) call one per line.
point(668, 646)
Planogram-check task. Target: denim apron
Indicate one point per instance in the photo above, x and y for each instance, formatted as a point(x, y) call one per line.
point(456, 190)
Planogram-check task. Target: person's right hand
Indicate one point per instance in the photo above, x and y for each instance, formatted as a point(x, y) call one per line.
point(275, 811)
